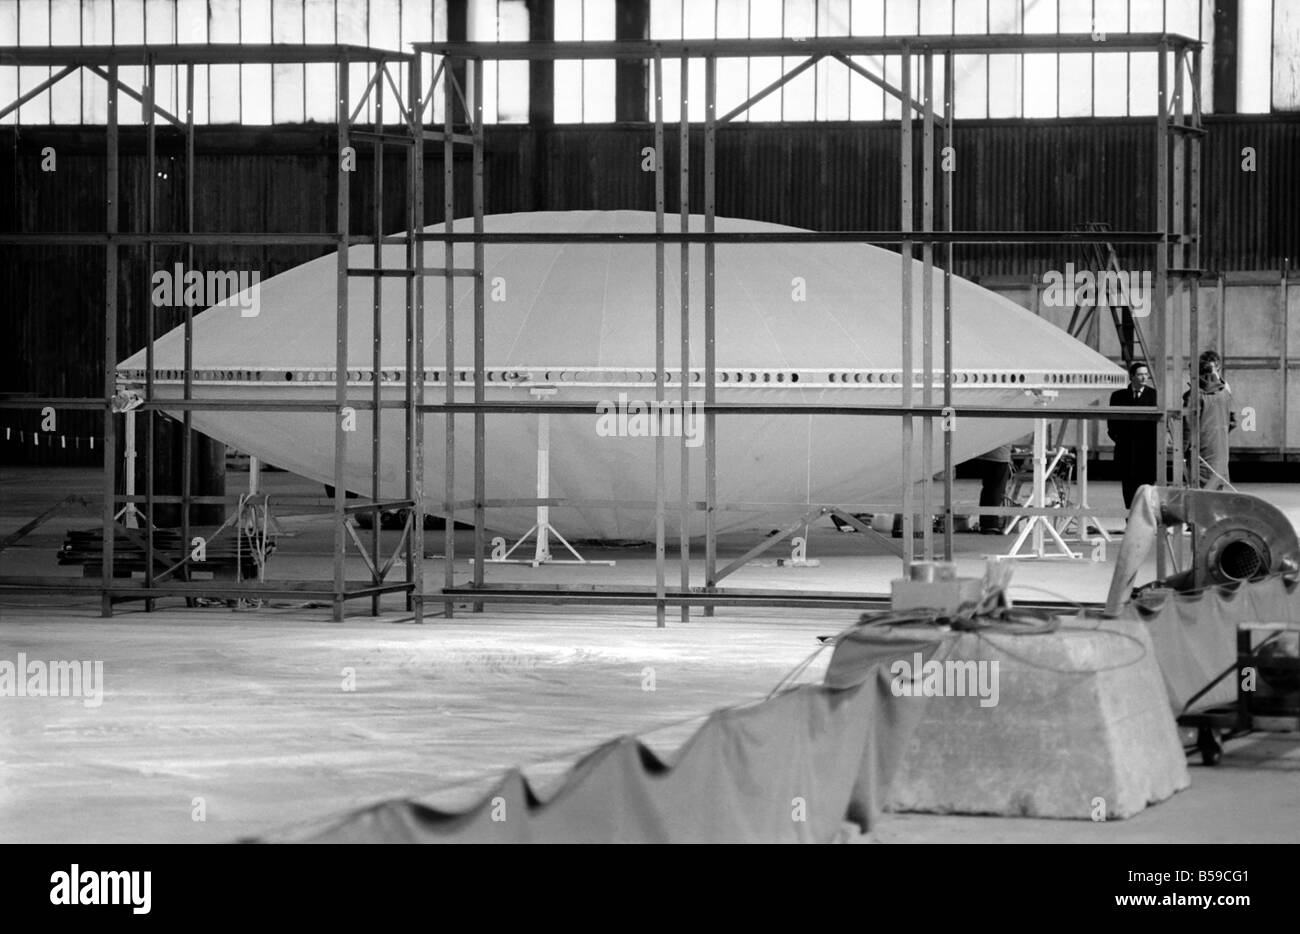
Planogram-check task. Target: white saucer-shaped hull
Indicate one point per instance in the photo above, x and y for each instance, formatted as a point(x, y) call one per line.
point(808, 323)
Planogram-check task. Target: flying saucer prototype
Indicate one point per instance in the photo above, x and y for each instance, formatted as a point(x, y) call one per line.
point(795, 323)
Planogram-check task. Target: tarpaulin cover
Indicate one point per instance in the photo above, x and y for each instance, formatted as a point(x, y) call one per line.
point(794, 768)
point(1195, 636)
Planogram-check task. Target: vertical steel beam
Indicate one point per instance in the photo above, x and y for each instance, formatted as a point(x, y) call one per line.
point(631, 22)
point(449, 331)
point(541, 102)
point(927, 306)
point(1223, 307)
point(415, 341)
point(684, 201)
point(475, 73)
point(1194, 259)
point(710, 332)
point(1179, 259)
point(377, 339)
point(151, 419)
point(1084, 521)
point(661, 368)
point(1159, 331)
point(905, 226)
point(341, 346)
point(1284, 361)
point(948, 86)
point(1224, 51)
point(110, 349)
point(187, 442)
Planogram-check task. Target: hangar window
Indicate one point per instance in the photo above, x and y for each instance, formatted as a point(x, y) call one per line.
point(1253, 44)
point(584, 90)
point(1004, 85)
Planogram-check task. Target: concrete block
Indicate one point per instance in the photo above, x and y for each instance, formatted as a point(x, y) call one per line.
point(1081, 728)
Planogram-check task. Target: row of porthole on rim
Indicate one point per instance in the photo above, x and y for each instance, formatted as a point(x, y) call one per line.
point(511, 376)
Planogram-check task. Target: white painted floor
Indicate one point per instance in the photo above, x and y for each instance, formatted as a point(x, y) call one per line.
point(245, 714)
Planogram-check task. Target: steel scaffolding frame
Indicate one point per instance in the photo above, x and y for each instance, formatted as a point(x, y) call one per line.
point(1183, 240)
point(105, 61)
point(1176, 243)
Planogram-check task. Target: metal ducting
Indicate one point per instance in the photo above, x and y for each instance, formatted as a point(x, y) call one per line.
point(1235, 538)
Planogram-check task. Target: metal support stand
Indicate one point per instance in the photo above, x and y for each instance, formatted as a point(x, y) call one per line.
point(130, 513)
point(1036, 525)
point(1082, 522)
point(255, 489)
point(542, 529)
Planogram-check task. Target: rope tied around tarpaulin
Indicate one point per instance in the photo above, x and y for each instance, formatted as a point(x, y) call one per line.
point(992, 614)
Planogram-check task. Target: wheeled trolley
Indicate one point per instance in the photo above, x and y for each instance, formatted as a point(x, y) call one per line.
point(1268, 690)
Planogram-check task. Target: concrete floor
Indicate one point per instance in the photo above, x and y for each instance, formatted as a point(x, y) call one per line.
point(244, 714)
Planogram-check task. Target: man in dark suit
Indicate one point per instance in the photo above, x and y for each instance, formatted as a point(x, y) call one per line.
point(1135, 442)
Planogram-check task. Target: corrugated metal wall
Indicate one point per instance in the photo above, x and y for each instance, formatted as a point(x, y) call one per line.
point(1010, 175)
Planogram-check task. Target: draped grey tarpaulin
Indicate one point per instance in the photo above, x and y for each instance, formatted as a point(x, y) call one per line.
point(792, 769)
point(1195, 636)
point(826, 753)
